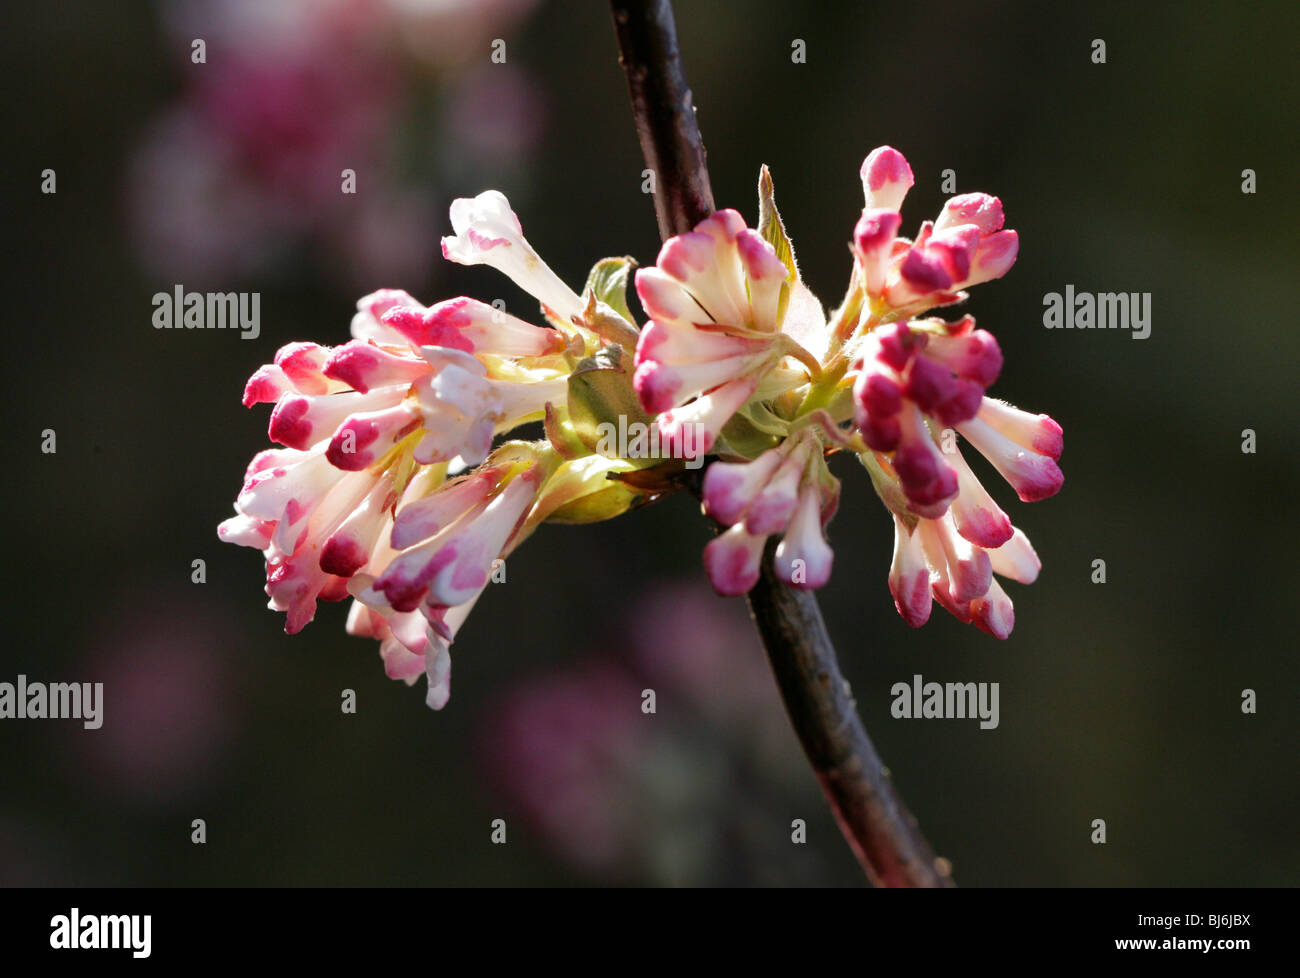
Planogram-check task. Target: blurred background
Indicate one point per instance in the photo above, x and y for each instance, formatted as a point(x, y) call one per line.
point(1119, 701)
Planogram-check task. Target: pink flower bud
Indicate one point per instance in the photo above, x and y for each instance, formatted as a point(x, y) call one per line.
point(803, 558)
point(302, 420)
point(1016, 559)
point(689, 431)
point(454, 565)
point(1033, 476)
point(974, 355)
point(366, 436)
point(730, 487)
point(993, 613)
point(886, 178)
point(301, 364)
point(909, 576)
point(475, 327)
point(266, 385)
point(993, 258)
point(927, 479)
point(982, 210)
point(246, 531)
point(422, 518)
point(873, 244)
point(974, 513)
point(367, 324)
point(732, 561)
point(362, 366)
point(1037, 432)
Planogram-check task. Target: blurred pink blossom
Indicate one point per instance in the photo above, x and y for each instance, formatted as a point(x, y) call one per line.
point(672, 796)
point(169, 704)
point(247, 165)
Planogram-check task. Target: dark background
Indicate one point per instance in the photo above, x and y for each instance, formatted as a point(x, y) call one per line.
point(1119, 701)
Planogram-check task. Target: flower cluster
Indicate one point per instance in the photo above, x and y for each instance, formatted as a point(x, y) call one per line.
point(392, 488)
point(736, 343)
point(388, 488)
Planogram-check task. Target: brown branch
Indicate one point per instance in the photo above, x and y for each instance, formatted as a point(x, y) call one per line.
point(877, 824)
point(881, 831)
point(665, 114)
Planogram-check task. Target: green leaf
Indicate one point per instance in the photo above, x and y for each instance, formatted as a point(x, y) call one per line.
point(600, 392)
point(608, 324)
point(613, 500)
point(585, 490)
point(763, 418)
point(608, 283)
point(742, 436)
point(561, 435)
point(771, 227)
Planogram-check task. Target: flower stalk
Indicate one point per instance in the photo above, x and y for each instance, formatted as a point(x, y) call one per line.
point(873, 817)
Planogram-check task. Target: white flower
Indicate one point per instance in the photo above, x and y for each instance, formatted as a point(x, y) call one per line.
point(488, 233)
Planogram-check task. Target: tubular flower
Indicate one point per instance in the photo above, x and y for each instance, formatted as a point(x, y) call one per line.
point(489, 233)
point(392, 485)
point(716, 300)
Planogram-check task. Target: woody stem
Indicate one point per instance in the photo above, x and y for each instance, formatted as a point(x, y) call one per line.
point(882, 833)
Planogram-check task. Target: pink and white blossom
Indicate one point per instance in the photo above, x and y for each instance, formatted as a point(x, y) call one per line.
point(1023, 447)
point(933, 562)
point(391, 486)
point(964, 247)
point(358, 501)
point(714, 301)
point(913, 380)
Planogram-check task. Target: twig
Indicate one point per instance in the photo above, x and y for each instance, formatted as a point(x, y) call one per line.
point(665, 114)
point(881, 831)
point(875, 821)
